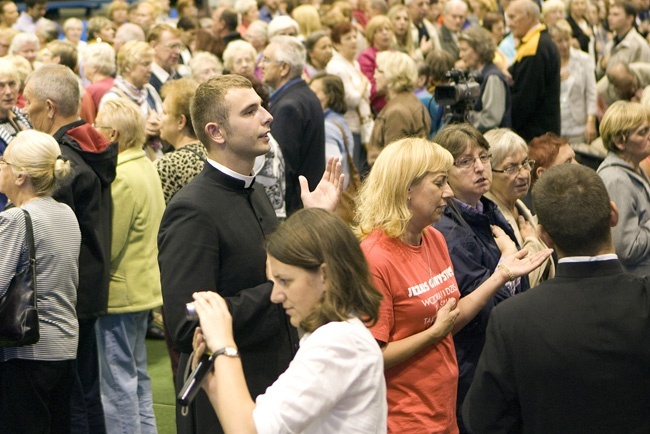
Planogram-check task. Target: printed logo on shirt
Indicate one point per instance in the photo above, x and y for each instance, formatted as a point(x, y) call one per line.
point(434, 281)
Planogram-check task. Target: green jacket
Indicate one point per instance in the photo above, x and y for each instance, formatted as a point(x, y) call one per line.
point(138, 206)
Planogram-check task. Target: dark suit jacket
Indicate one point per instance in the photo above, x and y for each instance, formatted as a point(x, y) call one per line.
point(569, 356)
point(212, 238)
point(448, 43)
point(536, 89)
point(299, 127)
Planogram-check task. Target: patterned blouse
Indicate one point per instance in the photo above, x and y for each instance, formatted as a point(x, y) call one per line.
point(179, 167)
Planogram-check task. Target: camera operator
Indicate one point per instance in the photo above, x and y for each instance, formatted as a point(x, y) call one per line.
point(492, 108)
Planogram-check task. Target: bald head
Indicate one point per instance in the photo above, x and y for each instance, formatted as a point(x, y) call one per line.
point(522, 15)
point(623, 79)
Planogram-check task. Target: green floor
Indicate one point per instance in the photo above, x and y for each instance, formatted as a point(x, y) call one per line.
point(162, 386)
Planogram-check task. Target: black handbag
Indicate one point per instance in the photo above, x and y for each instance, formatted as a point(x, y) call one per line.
point(18, 312)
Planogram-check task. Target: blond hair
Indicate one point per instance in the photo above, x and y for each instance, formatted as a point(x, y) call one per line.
point(125, 117)
point(382, 202)
point(619, 120)
point(131, 53)
point(399, 69)
point(38, 156)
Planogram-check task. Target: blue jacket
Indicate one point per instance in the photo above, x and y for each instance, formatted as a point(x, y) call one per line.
point(474, 255)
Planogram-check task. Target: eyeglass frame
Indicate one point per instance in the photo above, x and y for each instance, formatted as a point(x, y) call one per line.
point(3, 161)
point(510, 170)
point(469, 162)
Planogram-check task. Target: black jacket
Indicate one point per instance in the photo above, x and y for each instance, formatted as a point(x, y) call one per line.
point(88, 193)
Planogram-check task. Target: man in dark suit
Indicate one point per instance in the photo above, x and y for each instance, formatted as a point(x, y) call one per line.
point(299, 125)
point(535, 72)
point(167, 45)
point(212, 238)
point(573, 354)
point(454, 15)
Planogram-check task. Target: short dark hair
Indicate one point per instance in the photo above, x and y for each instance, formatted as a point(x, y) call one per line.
point(440, 63)
point(29, 4)
point(457, 137)
point(229, 17)
point(573, 207)
point(491, 18)
point(334, 91)
point(187, 23)
point(627, 6)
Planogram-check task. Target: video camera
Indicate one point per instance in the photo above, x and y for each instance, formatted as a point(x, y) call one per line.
point(458, 98)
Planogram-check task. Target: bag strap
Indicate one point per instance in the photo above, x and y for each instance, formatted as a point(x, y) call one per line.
point(184, 148)
point(32, 250)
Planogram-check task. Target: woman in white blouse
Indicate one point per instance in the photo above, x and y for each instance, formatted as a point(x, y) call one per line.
point(578, 89)
point(336, 381)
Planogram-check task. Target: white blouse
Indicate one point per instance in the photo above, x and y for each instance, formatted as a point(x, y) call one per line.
point(335, 384)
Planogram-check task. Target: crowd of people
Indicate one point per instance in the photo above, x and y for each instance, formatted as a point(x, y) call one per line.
point(198, 154)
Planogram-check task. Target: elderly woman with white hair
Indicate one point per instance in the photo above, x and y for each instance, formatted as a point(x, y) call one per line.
point(134, 66)
point(204, 66)
point(511, 180)
point(25, 45)
point(239, 58)
point(403, 115)
point(12, 119)
point(283, 25)
point(99, 67)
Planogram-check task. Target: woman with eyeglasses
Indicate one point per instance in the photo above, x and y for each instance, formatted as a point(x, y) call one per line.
point(12, 119)
point(625, 129)
point(511, 179)
point(405, 192)
point(478, 237)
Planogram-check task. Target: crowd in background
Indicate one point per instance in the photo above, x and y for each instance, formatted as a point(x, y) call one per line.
point(551, 82)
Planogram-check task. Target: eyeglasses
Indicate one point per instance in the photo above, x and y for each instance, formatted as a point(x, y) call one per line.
point(516, 168)
point(3, 161)
point(468, 162)
point(100, 127)
point(177, 46)
point(267, 60)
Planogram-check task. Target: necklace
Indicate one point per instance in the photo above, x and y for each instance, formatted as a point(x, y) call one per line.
point(426, 266)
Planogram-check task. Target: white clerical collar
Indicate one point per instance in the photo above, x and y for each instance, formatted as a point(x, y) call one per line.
point(248, 180)
point(573, 259)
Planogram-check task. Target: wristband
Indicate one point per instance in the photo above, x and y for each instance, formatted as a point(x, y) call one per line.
point(511, 277)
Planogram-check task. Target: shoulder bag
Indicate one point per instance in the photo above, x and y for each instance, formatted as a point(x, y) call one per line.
point(18, 312)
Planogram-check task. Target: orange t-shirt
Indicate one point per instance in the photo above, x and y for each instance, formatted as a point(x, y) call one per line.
point(416, 281)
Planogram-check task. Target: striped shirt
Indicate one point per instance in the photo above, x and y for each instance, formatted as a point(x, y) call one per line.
point(57, 240)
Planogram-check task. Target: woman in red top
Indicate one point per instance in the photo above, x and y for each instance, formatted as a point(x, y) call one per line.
point(405, 193)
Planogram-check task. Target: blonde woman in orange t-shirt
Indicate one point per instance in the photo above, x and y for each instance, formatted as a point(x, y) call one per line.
point(404, 194)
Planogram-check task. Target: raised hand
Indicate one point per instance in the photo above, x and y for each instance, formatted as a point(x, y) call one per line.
point(327, 193)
